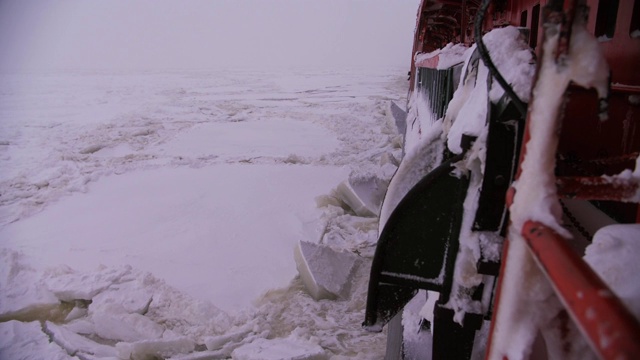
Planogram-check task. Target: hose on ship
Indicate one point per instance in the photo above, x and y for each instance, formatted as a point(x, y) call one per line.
point(486, 59)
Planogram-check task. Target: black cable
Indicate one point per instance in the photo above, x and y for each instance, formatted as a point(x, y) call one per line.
point(486, 59)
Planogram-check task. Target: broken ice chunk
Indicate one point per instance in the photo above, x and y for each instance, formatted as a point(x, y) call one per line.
point(131, 295)
point(291, 348)
point(326, 273)
point(113, 322)
point(19, 340)
point(21, 295)
point(73, 286)
point(159, 348)
point(314, 225)
point(74, 343)
point(217, 342)
point(76, 313)
point(363, 196)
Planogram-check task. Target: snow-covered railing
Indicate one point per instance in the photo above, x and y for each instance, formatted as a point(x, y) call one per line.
point(538, 265)
point(610, 328)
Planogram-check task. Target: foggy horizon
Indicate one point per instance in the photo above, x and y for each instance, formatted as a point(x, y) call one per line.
point(205, 35)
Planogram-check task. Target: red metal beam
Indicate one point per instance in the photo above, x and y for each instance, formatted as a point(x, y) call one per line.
point(626, 89)
point(612, 331)
point(598, 188)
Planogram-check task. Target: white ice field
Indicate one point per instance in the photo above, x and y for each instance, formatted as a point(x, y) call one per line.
point(156, 213)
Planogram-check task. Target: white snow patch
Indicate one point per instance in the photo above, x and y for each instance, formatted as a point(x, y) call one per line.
point(419, 160)
point(514, 59)
point(450, 55)
point(465, 270)
point(427, 310)
point(628, 178)
point(467, 111)
point(418, 342)
point(613, 255)
point(471, 117)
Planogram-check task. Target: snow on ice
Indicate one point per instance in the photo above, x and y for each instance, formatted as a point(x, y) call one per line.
point(155, 214)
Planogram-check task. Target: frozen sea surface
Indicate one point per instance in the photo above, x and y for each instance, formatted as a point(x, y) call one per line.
point(155, 214)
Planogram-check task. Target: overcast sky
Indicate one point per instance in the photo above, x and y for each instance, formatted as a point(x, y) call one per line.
point(205, 34)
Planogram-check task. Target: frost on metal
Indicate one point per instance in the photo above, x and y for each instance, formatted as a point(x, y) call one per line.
point(467, 116)
point(527, 300)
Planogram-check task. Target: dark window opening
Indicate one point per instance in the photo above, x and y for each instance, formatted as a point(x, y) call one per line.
point(634, 30)
point(606, 18)
point(500, 5)
point(535, 20)
point(523, 19)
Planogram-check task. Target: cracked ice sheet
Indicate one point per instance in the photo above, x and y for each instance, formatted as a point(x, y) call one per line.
point(71, 134)
point(229, 229)
point(59, 132)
